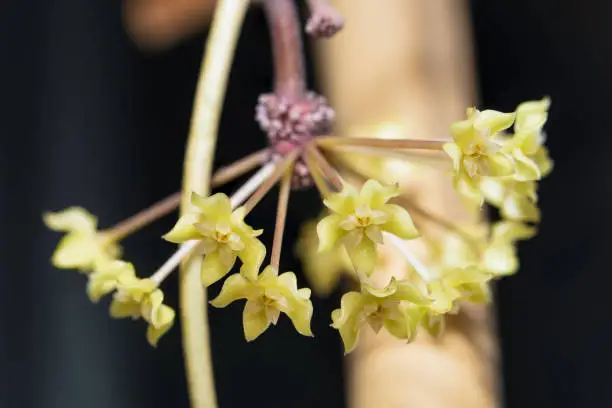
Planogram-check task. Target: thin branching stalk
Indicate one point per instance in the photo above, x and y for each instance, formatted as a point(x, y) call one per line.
point(240, 167)
point(328, 170)
point(421, 144)
point(270, 182)
point(281, 218)
point(144, 217)
point(207, 106)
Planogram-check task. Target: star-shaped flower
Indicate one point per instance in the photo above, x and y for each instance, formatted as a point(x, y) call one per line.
point(224, 237)
point(499, 256)
point(266, 298)
point(107, 277)
point(83, 246)
point(527, 144)
point(516, 200)
point(358, 219)
point(387, 307)
point(141, 298)
point(475, 151)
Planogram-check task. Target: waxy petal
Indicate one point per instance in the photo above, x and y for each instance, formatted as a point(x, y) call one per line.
point(184, 230)
point(400, 223)
point(215, 266)
point(329, 231)
point(235, 287)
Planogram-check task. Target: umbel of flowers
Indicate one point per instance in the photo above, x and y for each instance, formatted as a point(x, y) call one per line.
point(496, 158)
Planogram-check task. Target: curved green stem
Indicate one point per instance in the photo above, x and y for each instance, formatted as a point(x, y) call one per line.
point(207, 107)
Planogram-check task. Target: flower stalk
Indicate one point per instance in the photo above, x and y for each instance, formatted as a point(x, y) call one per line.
point(281, 218)
point(284, 29)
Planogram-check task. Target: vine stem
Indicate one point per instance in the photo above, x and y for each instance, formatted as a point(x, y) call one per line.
point(207, 106)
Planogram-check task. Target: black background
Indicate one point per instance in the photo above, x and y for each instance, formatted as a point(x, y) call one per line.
point(88, 119)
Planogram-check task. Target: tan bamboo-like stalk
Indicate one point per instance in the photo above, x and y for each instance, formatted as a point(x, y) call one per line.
point(410, 62)
point(207, 107)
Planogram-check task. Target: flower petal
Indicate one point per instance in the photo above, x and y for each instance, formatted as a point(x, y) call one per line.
point(346, 319)
point(510, 231)
point(375, 195)
point(407, 291)
point(71, 219)
point(363, 256)
point(216, 206)
point(520, 208)
point(215, 266)
point(526, 168)
point(329, 231)
point(500, 260)
point(254, 323)
point(493, 190)
point(344, 202)
point(434, 324)
point(397, 327)
point(493, 121)
point(163, 322)
point(400, 223)
point(76, 251)
point(184, 230)
point(454, 152)
point(235, 287)
point(124, 308)
point(500, 165)
point(252, 257)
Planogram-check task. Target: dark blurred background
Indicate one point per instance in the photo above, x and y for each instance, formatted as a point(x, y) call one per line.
point(88, 119)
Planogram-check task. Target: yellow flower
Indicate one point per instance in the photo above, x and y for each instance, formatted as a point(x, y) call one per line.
point(105, 278)
point(499, 256)
point(465, 284)
point(475, 151)
point(266, 297)
point(323, 269)
point(358, 220)
point(388, 308)
point(138, 298)
point(516, 200)
point(527, 145)
point(83, 246)
point(224, 237)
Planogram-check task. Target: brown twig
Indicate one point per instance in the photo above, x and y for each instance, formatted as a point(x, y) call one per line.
point(317, 177)
point(422, 144)
point(167, 205)
point(230, 172)
point(144, 217)
point(281, 217)
point(328, 170)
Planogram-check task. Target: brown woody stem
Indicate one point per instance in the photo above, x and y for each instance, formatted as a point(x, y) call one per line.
point(281, 217)
point(284, 28)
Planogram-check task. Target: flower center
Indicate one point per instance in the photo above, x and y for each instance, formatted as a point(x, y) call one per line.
point(364, 221)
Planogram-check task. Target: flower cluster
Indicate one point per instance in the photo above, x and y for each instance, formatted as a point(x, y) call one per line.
point(489, 165)
point(95, 254)
point(503, 169)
